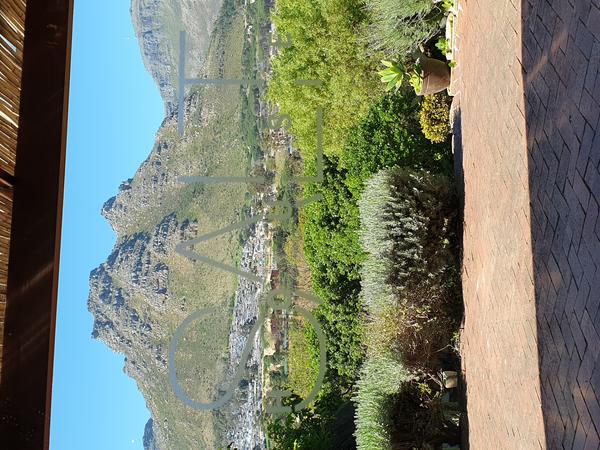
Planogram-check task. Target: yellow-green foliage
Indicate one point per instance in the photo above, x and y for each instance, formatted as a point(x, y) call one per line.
point(326, 46)
point(303, 364)
point(435, 117)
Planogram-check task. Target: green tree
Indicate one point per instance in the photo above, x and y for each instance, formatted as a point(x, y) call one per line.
point(326, 46)
point(390, 135)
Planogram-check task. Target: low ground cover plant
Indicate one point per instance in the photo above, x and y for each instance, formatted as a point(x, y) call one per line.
point(435, 117)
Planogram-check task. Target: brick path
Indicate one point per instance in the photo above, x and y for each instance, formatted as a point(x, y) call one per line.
point(529, 111)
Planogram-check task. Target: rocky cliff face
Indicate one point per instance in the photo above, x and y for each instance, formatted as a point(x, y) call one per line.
point(131, 296)
point(157, 24)
point(149, 440)
point(131, 288)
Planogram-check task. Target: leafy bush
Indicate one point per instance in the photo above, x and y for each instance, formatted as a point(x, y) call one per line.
point(435, 117)
point(399, 26)
point(325, 47)
point(316, 428)
point(390, 135)
point(331, 235)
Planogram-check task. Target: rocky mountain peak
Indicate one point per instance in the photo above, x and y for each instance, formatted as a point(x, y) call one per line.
point(157, 24)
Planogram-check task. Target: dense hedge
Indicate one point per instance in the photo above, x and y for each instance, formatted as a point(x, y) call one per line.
point(390, 135)
point(408, 290)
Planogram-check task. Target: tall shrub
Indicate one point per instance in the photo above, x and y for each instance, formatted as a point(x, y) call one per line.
point(406, 220)
point(390, 135)
point(399, 26)
point(405, 230)
point(325, 46)
point(381, 378)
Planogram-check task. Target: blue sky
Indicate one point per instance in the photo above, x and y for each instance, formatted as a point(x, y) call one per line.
point(114, 112)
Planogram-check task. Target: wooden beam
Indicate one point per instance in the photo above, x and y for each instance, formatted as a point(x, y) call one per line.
point(31, 292)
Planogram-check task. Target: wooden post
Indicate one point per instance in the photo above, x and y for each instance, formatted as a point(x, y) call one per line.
point(31, 290)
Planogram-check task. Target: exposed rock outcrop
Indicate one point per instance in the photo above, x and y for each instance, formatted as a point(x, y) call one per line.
point(149, 440)
point(157, 24)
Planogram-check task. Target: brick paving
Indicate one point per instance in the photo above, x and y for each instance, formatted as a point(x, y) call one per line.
point(529, 96)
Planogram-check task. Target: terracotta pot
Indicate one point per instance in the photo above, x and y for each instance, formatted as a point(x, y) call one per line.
point(435, 74)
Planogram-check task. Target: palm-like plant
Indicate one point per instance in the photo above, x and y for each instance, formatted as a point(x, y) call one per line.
point(392, 75)
point(395, 72)
point(416, 78)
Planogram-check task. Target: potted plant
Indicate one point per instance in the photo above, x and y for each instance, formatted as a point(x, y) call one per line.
point(426, 75)
point(430, 76)
point(392, 75)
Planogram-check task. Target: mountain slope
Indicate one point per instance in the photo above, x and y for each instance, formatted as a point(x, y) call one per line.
point(145, 289)
point(157, 24)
